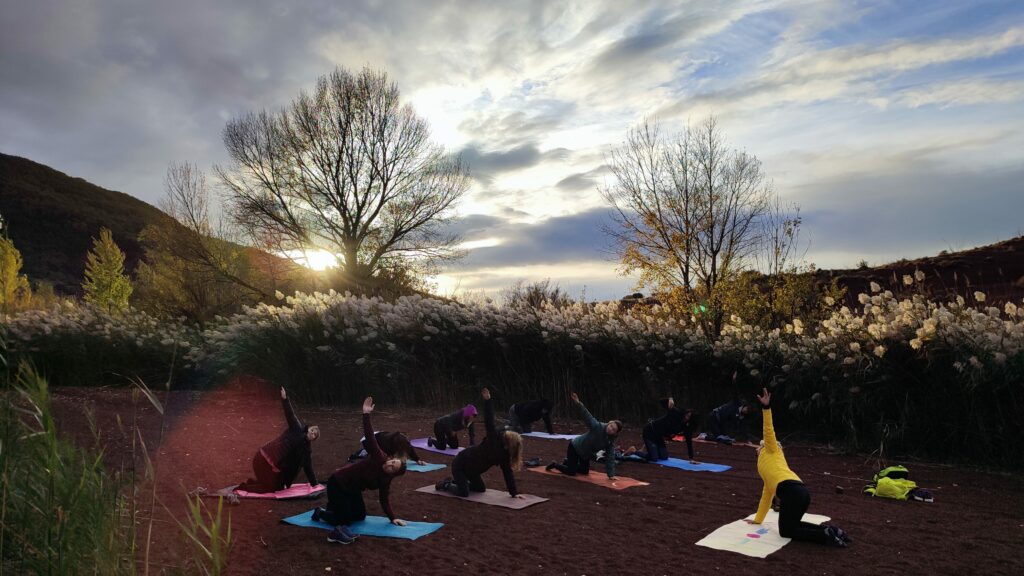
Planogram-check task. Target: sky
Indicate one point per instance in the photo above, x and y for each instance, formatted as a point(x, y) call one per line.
point(897, 127)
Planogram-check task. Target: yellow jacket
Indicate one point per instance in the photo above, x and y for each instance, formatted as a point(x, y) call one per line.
point(771, 465)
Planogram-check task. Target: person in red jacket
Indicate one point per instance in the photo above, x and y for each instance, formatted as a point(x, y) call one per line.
point(278, 462)
point(345, 487)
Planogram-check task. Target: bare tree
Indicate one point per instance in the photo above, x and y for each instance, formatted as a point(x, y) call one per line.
point(347, 169)
point(689, 211)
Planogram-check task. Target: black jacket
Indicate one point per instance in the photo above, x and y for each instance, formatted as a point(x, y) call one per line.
point(672, 423)
point(534, 410)
point(476, 460)
point(454, 422)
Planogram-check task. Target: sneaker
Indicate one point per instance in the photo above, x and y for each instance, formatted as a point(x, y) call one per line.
point(347, 531)
point(532, 462)
point(337, 536)
point(840, 533)
point(443, 484)
point(431, 442)
point(317, 512)
point(835, 539)
point(550, 467)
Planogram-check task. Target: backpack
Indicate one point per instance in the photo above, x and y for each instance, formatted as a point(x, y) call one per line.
point(893, 482)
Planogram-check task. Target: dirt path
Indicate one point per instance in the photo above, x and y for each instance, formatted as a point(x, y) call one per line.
point(974, 527)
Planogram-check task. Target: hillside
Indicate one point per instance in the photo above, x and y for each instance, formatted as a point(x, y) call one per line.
point(996, 269)
point(52, 218)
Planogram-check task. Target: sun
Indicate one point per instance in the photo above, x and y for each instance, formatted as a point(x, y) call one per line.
point(314, 259)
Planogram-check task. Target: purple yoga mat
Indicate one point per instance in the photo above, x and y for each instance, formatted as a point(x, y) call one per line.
point(491, 497)
point(294, 491)
point(421, 443)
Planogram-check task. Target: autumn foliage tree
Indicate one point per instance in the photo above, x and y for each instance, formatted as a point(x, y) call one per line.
point(106, 285)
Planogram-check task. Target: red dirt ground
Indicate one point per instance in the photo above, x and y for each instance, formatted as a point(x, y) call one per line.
point(975, 526)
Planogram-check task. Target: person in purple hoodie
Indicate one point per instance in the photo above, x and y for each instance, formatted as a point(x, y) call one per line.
point(446, 428)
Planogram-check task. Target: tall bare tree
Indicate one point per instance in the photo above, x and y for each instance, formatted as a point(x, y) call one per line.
point(348, 169)
point(690, 212)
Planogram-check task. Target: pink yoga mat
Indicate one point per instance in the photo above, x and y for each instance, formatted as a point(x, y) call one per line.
point(295, 491)
point(599, 478)
point(421, 443)
point(491, 497)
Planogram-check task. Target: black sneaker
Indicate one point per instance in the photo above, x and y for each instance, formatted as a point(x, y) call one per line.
point(532, 462)
point(840, 533)
point(347, 531)
point(431, 442)
point(550, 467)
point(443, 484)
point(833, 538)
point(337, 536)
point(316, 513)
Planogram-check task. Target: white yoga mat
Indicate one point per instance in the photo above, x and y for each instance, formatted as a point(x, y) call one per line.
point(491, 497)
point(757, 540)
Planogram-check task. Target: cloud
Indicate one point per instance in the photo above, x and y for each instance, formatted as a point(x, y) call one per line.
point(484, 166)
point(582, 180)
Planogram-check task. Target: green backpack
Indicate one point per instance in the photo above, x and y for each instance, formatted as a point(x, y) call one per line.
point(891, 482)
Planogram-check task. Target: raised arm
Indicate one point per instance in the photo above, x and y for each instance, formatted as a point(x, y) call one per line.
point(585, 414)
point(373, 450)
point(488, 414)
point(289, 413)
point(768, 429)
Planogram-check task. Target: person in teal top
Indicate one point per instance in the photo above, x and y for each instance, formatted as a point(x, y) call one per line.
point(599, 436)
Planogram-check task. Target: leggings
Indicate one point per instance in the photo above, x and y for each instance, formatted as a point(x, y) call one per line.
point(574, 464)
point(343, 506)
point(463, 483)
point(655, 447)
point(445, 437)
point(794, 500)
point(266, 479)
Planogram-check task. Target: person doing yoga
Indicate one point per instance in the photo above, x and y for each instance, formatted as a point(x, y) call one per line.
point(499, 448)
point(599, 436)
point(345, 487)
point(277, 463)
point(794, 499)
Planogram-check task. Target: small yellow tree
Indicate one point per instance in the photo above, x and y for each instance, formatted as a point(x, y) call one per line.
point(15, 292)
point(106, 284)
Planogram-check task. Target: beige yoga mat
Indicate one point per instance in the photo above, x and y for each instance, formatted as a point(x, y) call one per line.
point(757, 540)
point(491, 497)
point(598, 478)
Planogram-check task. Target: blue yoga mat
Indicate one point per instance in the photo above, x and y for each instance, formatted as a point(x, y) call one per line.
point(372, 526)
point(412, 466)
point(685, 465)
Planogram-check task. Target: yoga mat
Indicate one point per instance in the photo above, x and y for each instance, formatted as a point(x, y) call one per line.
point(412, 466)
point(492, 497)
point(599, 478)
point(757, 540)
point(421, 443)
point(372, 526)
point(703, 441)
point(296, 491)
point(550, 436)
point(685, 465)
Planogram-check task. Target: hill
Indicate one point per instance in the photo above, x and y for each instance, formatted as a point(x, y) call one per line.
point(52, 219)
point(996, 269)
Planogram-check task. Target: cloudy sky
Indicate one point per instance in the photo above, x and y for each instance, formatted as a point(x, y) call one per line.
point(897, 126)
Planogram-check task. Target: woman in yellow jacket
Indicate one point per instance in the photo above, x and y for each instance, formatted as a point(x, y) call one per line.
point(794, 498)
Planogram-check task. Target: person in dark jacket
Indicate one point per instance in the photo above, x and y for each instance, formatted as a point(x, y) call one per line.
point(446, 428)
point(394, 444)
point(277, 463)
point(726, 423)
point(522, 415)
point(503, 449)
point(599, 436)
point(675, 421)
point(345, 487)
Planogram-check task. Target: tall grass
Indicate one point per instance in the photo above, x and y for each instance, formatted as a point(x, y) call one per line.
point(62, 512)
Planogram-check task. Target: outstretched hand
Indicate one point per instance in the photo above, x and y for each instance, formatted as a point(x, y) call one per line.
point(486, 394)
point(368, 405)
point(284, 395)
point(575, 397)
point(765, 398)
